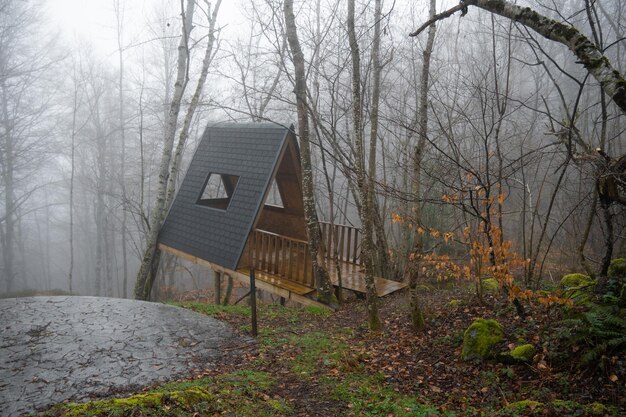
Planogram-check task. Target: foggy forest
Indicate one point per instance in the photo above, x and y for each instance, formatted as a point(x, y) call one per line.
point(511, 116)
point(471, 142)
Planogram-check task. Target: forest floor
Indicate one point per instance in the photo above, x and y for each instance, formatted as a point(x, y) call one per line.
point(310, 362)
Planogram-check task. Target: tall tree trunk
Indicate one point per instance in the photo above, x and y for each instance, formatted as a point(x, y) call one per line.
point(363, 183)
point(72, 175)
point(150, 261)
point(374, 111)
point(184, 131)
point(7, 166)
point(124, 232)
point(322, 279)
point(417, 316)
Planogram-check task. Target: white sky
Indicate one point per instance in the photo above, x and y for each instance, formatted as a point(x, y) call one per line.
point(94, 21)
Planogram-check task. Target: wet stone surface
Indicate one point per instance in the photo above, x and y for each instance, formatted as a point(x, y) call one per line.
point(70, 348)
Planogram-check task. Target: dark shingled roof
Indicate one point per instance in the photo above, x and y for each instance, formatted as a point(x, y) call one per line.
point(250, 151)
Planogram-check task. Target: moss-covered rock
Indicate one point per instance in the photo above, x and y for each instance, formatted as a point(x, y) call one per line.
point(579, 287)
point(455, 303)
point(522, 408)
point(480, 338)
point(576, 280)
point(523, 353)
point(576, 408)
point(556, 407)
point(490, 285)
point(189, 400)
point(617, 269)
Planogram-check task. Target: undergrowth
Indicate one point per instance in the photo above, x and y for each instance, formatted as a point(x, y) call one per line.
point(329, 364)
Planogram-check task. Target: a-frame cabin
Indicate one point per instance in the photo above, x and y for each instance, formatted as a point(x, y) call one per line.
point(240, 206)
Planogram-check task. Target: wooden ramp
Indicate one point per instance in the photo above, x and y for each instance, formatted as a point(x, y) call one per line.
point(353, 278)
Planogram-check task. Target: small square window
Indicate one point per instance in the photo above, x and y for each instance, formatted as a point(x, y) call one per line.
point(218, 190)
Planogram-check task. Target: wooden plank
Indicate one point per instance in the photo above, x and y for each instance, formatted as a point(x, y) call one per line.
point(349, 245)
point(279, 282)
point(263, 251)
point(356, 247)
point(290, 260)
point(277, 240)
point(269, 253)
point(283, 254)
point(341, 243)
point(298, 268)
point(266, 233)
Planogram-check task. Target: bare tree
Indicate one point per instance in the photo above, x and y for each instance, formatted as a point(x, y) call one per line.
point(170, 160)
point(322, 279)
point(417, 317)
point(364, 186)
point(25, 62)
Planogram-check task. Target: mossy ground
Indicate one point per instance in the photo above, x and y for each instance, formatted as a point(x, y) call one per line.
point(239, 392)
point(309, 362)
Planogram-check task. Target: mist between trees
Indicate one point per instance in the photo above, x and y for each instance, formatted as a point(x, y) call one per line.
point(509, 138)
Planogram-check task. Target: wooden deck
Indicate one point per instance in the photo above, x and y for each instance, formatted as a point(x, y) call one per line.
point(285, 262)
point(261, 283)
point(282, 265)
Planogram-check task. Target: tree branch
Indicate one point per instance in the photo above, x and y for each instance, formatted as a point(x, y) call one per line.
point(438, 17)
point(598, 65)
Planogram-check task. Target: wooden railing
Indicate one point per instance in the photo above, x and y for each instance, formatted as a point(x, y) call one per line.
point(282, 256)
point(343, 238)
point(290, 258)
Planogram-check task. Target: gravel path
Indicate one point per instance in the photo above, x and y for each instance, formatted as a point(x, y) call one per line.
point(59, 348)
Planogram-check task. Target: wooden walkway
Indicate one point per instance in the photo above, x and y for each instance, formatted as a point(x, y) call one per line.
point(353, 278)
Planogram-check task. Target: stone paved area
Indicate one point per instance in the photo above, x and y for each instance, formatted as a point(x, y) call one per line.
point(58, 348)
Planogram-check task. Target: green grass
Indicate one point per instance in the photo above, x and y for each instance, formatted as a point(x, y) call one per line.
point(214, 309)
point(315, 350)
point(238, 393)
point(367, 395)
point(269, 311)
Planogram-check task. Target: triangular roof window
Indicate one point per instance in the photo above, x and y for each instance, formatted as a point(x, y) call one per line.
point(218, 190)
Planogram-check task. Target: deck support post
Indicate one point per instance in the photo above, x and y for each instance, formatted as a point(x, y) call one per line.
point(217, 276)
point(253, 302)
